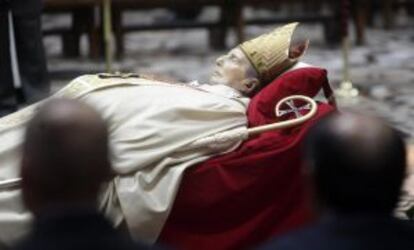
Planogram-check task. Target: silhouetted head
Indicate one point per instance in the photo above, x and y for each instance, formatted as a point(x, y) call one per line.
point(357, 163)
point(65, 156)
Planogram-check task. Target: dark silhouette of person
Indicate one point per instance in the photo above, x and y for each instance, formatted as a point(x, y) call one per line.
point(20, 32)
point(64, 165)
point(356, 166)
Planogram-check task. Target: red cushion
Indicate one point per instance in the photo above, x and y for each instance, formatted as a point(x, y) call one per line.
point(303, 81)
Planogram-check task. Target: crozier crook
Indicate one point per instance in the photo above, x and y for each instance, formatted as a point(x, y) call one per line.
point(311, 105)
point(241, 134)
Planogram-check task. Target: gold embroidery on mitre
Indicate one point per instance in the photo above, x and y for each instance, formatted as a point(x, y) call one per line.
point(269, 53)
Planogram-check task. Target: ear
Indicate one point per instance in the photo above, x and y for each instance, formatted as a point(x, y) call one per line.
point(298, 49)
point(250, 86)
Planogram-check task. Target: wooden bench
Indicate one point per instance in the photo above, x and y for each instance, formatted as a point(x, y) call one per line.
point(83, 14)
point(231, 15)
point(229, 11)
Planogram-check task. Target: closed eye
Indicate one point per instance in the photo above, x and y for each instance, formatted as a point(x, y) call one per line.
point(234, 58)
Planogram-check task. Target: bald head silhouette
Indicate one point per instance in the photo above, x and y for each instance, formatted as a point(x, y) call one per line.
point(65, 156)
point(357, 163)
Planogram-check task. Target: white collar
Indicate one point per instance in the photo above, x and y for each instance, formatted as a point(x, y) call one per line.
point(219, 89)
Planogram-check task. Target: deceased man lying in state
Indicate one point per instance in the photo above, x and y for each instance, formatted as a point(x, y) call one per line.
point(152, 125)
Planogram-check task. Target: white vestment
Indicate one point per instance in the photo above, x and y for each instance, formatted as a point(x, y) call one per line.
point(151, 125)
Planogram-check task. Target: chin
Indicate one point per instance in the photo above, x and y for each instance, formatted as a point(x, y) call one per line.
point(215, 80)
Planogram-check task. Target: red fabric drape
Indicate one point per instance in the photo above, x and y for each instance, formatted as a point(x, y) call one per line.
point(238, 200)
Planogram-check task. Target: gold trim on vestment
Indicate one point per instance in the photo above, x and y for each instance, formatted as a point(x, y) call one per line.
point(77, 88)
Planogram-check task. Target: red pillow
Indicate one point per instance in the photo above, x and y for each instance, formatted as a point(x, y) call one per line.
point(303, 81)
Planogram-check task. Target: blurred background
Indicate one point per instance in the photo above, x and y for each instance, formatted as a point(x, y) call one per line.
point(182, 38)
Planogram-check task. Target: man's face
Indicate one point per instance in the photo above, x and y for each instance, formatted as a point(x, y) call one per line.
point(232, 69)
